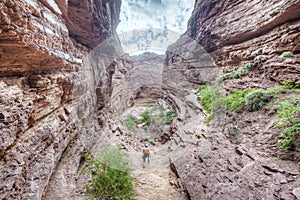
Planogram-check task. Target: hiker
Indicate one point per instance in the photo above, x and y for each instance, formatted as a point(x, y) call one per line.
point(146, 154)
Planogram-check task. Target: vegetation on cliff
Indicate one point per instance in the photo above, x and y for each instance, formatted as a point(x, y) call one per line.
point(288, 116)
point(153, 117)
point(110, 175)
point(255, 99)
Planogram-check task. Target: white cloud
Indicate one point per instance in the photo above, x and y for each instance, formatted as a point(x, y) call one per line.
point(152, 24)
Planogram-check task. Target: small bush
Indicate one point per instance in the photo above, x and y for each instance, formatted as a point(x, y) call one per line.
point(242, 71)
point(288, 116)
point(255, 100)
point(289, 84)
point(208, 118)
point(150, 141)
point(145, 118)
point(111, 177)
point(155, 118)
point(236, 100)
point(171, 114)
point(230, 75)
point(248, 66)
point(207, 97)
point(260, 58)
point(210, 99)
point(130, 123)
point(286, 54)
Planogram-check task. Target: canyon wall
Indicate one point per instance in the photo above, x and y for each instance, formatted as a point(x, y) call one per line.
point(54, 90)
point(236, 155)
point(137, 79)
point(235, 32)
point(57, 60)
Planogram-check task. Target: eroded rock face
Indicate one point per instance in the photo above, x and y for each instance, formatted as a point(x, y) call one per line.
point(236, 156)
point(53, 91)
point(137, 80)
point(235, 32)
point(187, 65)
point(90, 22)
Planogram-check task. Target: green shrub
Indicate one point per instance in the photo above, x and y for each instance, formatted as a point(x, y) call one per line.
point(152, 106)
point(171, 114)
point(198, 136)
point(230, 75)
point(155, 118)
point(207, 97)
point(242, 71)
point(255, 100)
point(236, 100)
point(110, 176)
point(145, 118)
point(208, 118)
point(130, 123)
point(260, 58)
point(247, 66)
point(286, 54)
point(210, 99)
point(288, 116)
point(289, 84)
point(207, 94)
point(150, 141)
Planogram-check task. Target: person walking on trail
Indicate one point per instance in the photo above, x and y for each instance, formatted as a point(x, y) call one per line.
point(146, 154)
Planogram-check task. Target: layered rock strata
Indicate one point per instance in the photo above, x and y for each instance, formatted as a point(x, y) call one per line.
point(235, 32)
point(53, 91)
point(236, 155)
point(137, 80)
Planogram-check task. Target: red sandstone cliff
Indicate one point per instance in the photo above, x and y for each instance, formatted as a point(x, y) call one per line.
point(235, 32)
point(52, 91)
point(237, 156)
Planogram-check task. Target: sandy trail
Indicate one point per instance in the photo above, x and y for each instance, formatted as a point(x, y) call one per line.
point(156, 181)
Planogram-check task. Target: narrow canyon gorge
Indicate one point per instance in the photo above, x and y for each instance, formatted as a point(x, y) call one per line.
point(223, 101)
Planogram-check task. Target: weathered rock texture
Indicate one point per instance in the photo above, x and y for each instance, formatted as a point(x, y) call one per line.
point(137, 79)
point(235, 32)
point(56, 68)
point(237, 156)
point(187, 65)
point(53, 91)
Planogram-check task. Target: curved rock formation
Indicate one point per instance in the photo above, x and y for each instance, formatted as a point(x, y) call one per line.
point(137, 80)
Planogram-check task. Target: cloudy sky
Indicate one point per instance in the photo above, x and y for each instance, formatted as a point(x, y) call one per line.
point(152, 25)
